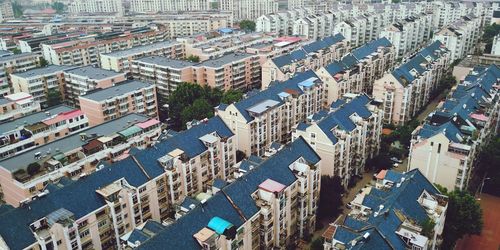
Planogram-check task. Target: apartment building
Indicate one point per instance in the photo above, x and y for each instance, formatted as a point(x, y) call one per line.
point(461, 36)
point(314, 26)
point(6, 11)
point(445, 147)
point(80, 7)
point(345, 136)
point(409, 34)
point(26, 175)
point(80, 81)
point(281, 23)
point(272, 206)
point(495, 48)
point(362, 29)
point(231, 71)
point(12, 64)
point(35, 129)
point(120, 61)
point(357, 71)
point(102, 105)
point(39, 82)
point(309, 56)
point(17, 105)
point(278, 47)
point(390, 215)
point(248, 9)
point(32, 44)
point(86, 50)
point(154, 6)
point(446, 13)
point(408, 88)
point(269, 115)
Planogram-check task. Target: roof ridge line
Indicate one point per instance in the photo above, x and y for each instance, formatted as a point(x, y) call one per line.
point(141, 167)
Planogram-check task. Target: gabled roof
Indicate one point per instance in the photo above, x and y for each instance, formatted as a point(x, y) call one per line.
point(179, 235)
point(273, 93)
point(370, 47)
point(401, 199)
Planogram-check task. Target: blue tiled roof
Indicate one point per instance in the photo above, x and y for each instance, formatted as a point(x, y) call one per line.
point(370, 47)
point(449, 129)
point(341, 117)
point(301, 54)
point(137, 236)
point(219, 183)
point(180, 234)
point(153, 226)
point(272, 93)
point(403, 199)
point(393, 176)
point(334, 68)
point(188, 201)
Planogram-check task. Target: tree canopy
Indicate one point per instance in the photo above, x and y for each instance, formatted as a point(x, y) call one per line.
point(192, 101)
point(193, 58)
point(58, 6)
point(490, 153)
point(53, 98)
point(464, 216)
point(490, 31)
point(247, 25)
point(18, 9)
point(330, 197)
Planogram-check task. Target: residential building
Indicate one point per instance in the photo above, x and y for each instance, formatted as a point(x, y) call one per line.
point(269, 115)
point(40, 82)
point(409, 34)
point(12, 64)
point(232, 71)
point(102, 105)
point(145, 189)
point(362, 29)
point(80, 81)
point(357, 71)
point(272, 206)
point(6, 10)
point(32, 44)
point(17, 105)
point(495, 48)
point(310, 56)
point(345, 137)
point(281, 23)
point(409, 87)
point(96, 6)
point(445, 13)
point(120, 61)
point(190, 23)
point(248, 9)
point(391, 215)
point(27, 132)
point(278, 47)
point(74, 155)
point(85, 50)
point(314, 26)
point(461, 36)
point(446, 146)
point(154, 6)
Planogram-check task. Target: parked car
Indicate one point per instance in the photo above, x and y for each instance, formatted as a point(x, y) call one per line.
point(396, 160)
point(348, 205)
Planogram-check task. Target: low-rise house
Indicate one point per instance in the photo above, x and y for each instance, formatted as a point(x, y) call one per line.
point(391, 215)
point(446, 146)
point(269, 115)
point(345, 137)
point(17, 105)
point(102, 105)
point(408, 89)
point(29, 131)
point(27, 174)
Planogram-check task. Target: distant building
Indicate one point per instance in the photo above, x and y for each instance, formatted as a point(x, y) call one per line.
point(12, 64)
point(6, 10)
point(249, 9)
point(460, 37)
point(96, 7)
point(102, 105)
point(391, 215)
point(155, 6)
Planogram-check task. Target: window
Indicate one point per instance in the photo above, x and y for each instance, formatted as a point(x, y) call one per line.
point(313, 135)
point(102, 223)
point(57, 134)
point(142, 189)
point(59, 242)
point(439, 148)
point(84, 233)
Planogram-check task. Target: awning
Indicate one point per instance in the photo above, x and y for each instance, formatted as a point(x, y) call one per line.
point(130, 131)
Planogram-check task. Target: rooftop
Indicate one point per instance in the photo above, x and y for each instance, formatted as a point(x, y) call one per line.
point(16, 56)
point(70, 142)
point(142, 49)
point(117, 90)
point(33, 118)
point(166, 62)
point(223, 60)
point(93, 73)
point(39, 72)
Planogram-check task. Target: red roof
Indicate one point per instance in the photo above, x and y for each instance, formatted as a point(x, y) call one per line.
point(272, 186)
point(63, 116)
point(147, 123)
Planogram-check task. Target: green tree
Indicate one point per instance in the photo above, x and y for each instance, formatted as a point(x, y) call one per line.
point(193, 58)
point(247, 25)
point(59, 7)
point(33, 168)
point(18, 9)
point(428, 227)
point(16, 51)
point(330, 197)
point(200, 109)
point(43, 62)
point(53, 98)
point(489, 33)
point(231, 96)
point(463, 217)
point(490, 153)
